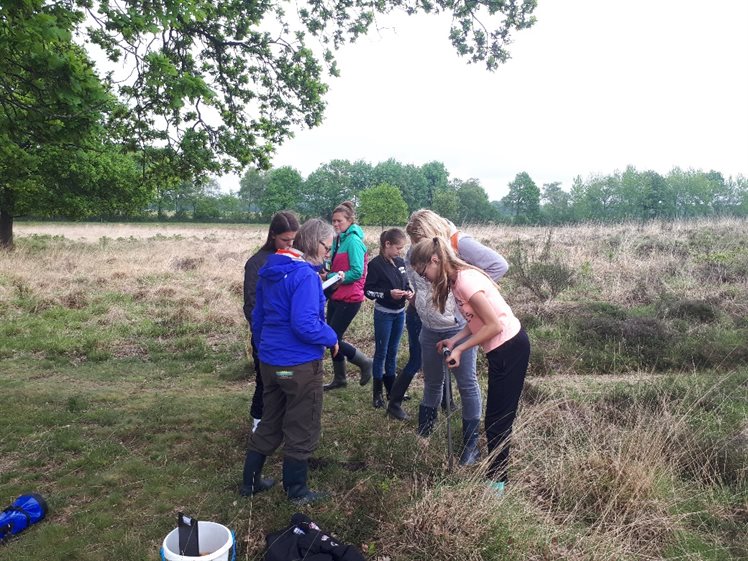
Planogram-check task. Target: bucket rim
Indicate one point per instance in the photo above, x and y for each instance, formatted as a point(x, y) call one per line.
point(224, 549)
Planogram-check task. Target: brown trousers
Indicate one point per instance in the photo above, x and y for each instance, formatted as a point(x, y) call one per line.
point(292, 410)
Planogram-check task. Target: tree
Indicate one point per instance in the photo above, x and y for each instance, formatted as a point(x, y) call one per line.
point(282, 191)
point(216, 84)
point(523, 200)
point(447, 204)
point(61, 147)
point(326, 187)
point(251, 188)
point(557, 203)
point(382, 205)
point(474, 206)
point(437, 179)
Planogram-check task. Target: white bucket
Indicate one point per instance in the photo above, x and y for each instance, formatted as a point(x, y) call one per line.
point(216, 544)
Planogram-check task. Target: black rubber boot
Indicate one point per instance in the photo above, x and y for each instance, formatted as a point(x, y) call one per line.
point(377, 399)
point(253, 482)
point(470, 451)
point(397, 395)
point(365, 364)
point(295, 474)
point(426, 420)
point(338, 377)
point(388, 381)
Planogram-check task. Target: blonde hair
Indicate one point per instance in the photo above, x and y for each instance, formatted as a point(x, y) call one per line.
point(426, 224)
point(347, 209)
point(448, 265)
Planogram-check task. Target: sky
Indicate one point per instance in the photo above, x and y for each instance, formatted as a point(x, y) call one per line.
point(592, 87)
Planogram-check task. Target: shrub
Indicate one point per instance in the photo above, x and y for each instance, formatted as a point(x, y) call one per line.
point(545, 276)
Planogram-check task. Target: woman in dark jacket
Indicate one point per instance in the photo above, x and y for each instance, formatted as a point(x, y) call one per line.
point(289, 322)
point(387, 284)
point(282, 231)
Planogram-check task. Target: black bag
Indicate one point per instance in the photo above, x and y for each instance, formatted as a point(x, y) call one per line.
point(303, 539)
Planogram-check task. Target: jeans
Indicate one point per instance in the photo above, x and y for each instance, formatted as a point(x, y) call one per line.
point(388, 329)
point(413, 325)
point(465, 374)
point(339, 317)
point(507, 367)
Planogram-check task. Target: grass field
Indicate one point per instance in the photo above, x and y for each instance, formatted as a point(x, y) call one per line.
point(126, 388)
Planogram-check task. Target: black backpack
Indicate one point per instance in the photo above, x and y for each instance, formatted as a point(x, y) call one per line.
point(303, 539)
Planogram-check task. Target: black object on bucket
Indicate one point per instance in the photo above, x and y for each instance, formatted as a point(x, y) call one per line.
point(188, 538)
point(25, 511)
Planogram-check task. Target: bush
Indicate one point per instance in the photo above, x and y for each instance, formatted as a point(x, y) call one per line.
point(545, 276)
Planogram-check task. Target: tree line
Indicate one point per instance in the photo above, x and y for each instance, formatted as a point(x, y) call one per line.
point(388, 191)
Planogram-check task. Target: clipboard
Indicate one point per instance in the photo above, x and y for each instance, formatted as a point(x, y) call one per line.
point(330, 281)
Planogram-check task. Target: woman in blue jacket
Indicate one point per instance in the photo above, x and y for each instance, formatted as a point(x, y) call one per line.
point(289, 323)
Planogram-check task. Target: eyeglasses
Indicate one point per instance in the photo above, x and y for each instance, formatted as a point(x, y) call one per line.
point(327, 248)
point(422, 272)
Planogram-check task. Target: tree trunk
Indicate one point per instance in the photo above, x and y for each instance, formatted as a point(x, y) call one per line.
point(6, 229)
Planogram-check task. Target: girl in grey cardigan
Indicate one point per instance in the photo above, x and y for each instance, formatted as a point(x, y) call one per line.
point(437, 326)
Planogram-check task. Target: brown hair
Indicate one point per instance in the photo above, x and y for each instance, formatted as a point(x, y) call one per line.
point(449, 264)
point(347, 209)
point(426, 224)
point(282, 222)
point(393, 236)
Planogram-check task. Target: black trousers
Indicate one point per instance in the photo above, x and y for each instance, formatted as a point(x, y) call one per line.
point(507, 367)
point(256, 408)
point(339, 317)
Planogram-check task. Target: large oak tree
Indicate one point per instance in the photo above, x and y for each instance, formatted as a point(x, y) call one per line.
point(202, 86)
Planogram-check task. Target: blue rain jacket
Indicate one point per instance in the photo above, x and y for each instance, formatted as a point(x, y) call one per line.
point(289, 315)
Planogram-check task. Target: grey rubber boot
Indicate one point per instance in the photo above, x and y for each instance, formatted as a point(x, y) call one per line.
point(295, 473)
point(470, 452)
point(253, 482)
point(338, 377)
point(426, 420)
point(365, 364)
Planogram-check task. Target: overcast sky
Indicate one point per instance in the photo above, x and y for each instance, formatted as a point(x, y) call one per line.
point(594, 86)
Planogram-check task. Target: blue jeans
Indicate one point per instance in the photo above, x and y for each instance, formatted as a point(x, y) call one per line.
point(388, 329)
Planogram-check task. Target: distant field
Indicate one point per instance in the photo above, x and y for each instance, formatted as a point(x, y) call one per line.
point(126, 387)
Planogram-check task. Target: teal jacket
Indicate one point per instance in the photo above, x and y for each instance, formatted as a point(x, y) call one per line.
point(349, 256)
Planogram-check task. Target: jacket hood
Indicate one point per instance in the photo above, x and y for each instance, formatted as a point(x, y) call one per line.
point(280, 265)
point(353, 230)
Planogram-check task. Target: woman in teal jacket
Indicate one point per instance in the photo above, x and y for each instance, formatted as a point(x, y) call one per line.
point(349, 260)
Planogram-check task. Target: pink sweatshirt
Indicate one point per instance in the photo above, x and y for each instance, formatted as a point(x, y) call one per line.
point(469, 282)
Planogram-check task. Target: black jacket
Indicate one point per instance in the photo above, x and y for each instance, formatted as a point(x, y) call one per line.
point(251, 270)
point(382, 277)
point(304, 540)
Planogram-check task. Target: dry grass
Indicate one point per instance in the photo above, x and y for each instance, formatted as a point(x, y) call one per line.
point(600, 471)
